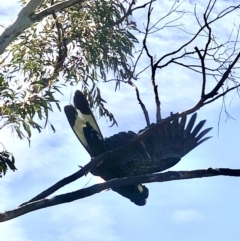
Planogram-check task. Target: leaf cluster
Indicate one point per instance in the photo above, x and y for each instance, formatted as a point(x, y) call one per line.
point(79, 44)
point(7, 161)
point(20, 105)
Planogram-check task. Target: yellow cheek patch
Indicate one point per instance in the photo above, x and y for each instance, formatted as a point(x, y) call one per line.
point(140, 188)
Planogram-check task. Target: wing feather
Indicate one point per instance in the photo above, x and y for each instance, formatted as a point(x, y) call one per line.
point(78, 116)
point(157, 148)
point(77, 124)
point(191, 123)
point(83, 109)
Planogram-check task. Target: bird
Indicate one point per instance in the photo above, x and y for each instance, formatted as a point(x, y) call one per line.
point(154, 149)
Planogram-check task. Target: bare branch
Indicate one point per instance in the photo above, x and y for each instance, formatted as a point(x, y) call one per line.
point(222, 94)
point(224, 77)
point(142, 106)
point(158, 103)
point(83, 171)
point(115, 183)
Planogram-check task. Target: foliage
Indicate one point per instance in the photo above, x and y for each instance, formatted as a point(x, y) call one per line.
point(20, 106)
point(80, 44)
point(7, 161)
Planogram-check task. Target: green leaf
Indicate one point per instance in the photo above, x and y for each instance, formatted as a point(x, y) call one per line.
point(27, 128)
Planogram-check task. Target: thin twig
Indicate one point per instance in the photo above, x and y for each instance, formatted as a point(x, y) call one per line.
point(145, 112)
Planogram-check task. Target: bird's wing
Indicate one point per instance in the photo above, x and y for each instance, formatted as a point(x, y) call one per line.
point(168, 143)
point(157, 148)
point(81, 105)
point(78, 116)
point(172, 139)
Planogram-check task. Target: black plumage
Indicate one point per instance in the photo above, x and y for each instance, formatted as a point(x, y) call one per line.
point(154, 149)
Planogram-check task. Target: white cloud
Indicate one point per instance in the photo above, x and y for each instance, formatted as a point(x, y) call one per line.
point(12, 231)
point(88, 221)
point(186, 215)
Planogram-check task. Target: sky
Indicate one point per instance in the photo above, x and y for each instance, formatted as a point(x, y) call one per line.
point(198, 209)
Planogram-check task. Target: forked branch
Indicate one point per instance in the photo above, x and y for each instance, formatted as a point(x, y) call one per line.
point(86, 192)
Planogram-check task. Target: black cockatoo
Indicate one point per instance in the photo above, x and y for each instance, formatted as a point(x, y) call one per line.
point(154, 149)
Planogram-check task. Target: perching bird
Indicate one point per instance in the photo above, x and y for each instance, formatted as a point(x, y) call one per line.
point(154, 149)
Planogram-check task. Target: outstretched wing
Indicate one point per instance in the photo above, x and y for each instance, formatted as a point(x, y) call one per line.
point(157, 148)
point(82, 120)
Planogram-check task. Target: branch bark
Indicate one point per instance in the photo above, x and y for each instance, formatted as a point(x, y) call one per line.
point(27, 17)
point(86, 192)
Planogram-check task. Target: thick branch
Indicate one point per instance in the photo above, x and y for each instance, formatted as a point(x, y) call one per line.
point(26, 18)
point(20, 24)
point(82, 193)
point(83, 171)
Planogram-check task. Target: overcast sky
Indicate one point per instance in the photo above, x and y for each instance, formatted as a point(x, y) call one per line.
point(199, 209)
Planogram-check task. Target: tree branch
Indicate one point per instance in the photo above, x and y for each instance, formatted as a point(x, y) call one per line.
point(115, 183)
point(142, 105)
point(27, 17)
point(222, 80)
point(83, 171)
point(22, 22)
